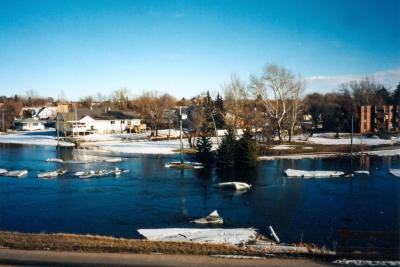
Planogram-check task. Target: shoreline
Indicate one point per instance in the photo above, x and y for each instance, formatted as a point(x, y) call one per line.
point(140, 146)
point(64, 242)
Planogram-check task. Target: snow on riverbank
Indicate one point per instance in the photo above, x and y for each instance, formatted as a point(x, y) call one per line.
point(234, 236)
point(301, 156)
point(379, 153)
point(142, 147)
point(40, 138)
point(347, 141)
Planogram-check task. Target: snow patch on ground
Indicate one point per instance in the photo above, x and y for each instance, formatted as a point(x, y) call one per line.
point(300, 156)
point(283, 147)
point(40, 138)
point(143, 147)
point(234, 236)
point(347, 141)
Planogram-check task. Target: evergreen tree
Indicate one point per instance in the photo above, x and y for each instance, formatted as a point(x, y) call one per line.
point(219, 114)
point(204, 153)
point(396, 95)
point(246, 151)
point(383, 96)
point(226, 150)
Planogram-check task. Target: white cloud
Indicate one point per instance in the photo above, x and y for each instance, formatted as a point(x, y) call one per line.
point(389, 78)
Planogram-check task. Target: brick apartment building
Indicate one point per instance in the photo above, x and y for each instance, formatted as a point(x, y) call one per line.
point(378, 118)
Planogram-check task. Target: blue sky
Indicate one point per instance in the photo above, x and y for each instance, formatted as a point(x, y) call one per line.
point(186, 47)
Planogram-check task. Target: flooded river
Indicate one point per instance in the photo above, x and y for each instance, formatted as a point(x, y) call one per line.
point(150, 196)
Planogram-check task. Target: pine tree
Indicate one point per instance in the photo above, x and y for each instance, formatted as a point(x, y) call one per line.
point(396, 95)
point(219, 108)
point(226, 150)
point(246, 151)
point(204, 153)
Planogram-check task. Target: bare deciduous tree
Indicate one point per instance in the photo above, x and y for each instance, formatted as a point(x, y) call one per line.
point(274, 88)
point(295, 104)
point(121, 97)
point(152, 107)
point(235, 97)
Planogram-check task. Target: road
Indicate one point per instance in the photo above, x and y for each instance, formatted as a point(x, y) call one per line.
point(10, 257)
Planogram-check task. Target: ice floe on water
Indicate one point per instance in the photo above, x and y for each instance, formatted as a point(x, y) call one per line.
point(212, 218)
point(233, 236)
point(312, 174)
point(362, 172)
point(234, 185)
point(367, 262)
point(395, 172)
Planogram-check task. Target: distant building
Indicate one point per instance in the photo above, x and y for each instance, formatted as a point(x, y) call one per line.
point(46, 113)
point(379, 118)
point(89, 121)
point(29, 124)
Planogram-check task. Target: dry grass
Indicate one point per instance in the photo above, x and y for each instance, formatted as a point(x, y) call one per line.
point(90, 243)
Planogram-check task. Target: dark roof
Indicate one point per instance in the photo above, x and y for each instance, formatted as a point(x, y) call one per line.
point(100, 114)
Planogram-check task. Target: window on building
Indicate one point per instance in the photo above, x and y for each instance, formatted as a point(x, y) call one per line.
point(35, 124)
point(122, 122)
point(112, 122)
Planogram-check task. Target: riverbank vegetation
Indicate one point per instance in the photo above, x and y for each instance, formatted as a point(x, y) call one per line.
point(272, 107)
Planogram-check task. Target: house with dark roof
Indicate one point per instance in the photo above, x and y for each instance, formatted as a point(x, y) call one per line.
point(90, 121)
point(29, 124)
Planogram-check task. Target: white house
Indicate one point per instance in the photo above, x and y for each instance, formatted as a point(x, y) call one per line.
point(99, 122)
point(29, 124)
point(46, 112)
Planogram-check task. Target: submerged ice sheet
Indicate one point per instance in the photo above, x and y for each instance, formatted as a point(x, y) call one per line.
point(234, 236)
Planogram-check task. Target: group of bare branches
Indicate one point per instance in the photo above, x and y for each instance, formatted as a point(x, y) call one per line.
point(269, 103)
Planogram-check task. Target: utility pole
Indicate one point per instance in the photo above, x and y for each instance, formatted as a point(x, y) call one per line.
point(3, 128)
point(180, 122)
point(58, 130)
point(352, 132)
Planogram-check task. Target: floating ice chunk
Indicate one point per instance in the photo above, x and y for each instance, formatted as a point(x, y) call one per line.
point(212, 218)
point(362, 172)
point(3, 171)
point(367, 262)
point(49, 174)
point(54, 160)
point(312, 174)
point(233, 236)
point(16, 173)
point(234, 185)
point(395, 172)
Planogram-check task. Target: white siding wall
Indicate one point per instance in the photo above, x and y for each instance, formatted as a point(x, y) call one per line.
point(101, 126)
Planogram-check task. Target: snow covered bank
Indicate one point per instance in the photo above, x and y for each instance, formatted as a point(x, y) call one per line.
point(283, 147)
point(234, 236)
point(39, 138)
point(142, 147)
point(312, 174)
point(301, 156)
point(379, 153)
point(347, 141)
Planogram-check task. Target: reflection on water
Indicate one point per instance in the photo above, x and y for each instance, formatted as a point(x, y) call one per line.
point(151, 196)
